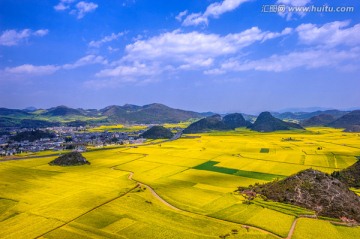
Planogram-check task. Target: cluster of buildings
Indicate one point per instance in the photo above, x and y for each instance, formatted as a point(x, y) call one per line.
point(72, 138)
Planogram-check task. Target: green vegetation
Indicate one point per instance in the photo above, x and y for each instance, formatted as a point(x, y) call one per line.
point(210, 166)
point(350, 175)
point(313, 190)
point(157, 132)
point(32, 135)
point(70, 159)
point(264, 150)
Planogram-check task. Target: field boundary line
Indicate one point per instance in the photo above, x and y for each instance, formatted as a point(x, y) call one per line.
point(93, 209)
point(267, 160)
point(344, 145)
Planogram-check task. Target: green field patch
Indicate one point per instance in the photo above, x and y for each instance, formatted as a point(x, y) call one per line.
point(264, 150)
point(210, 166)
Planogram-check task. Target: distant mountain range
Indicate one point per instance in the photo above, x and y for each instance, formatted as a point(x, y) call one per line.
point(266, 122)
point(159, 114)
point(350, 119)
point(318, 120)
point(126, 114)
point(307, 115)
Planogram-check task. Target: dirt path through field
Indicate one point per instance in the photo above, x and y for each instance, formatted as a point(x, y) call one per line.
point(188, 212)
point(292, 229)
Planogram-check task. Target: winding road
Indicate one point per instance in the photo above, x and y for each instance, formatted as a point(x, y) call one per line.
point(157, 196)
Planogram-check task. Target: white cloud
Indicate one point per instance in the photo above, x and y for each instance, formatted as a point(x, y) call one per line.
point(41, 32)
point(29, 69)
point(86, 60)
point(136, 69)
point(180, 16)
point(106, 39)
point(215, 71)
point(14, 37)
point(308, 59)
point(214, 10)
point(34, 70)
point(183, 51)
point(84, 7)
point(330, 34)
point(179, 46)
point(80, 9)
point(294, 2)
point(63, 5)
point(195, 19)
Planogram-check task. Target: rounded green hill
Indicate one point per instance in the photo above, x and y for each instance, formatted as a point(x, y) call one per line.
point(157, 132)
point(70, 159)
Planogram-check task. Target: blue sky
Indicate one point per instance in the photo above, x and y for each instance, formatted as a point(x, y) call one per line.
point(202, 55)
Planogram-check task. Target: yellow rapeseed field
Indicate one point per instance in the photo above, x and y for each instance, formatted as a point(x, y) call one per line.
point(177, 189)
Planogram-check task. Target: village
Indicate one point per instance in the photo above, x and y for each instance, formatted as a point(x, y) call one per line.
point(64, 138)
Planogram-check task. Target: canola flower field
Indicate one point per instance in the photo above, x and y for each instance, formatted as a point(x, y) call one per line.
point(176, 189)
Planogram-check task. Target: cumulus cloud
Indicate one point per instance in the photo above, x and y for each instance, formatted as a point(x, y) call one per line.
point(330, 34)
point(80, 9)
point(63, 5)
point(177, 50)
point(309, 59)
point(14, 37)
point(180, 46)
point(83, 8)
point(146, 59)
point(106, 39)
point(214, 10)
